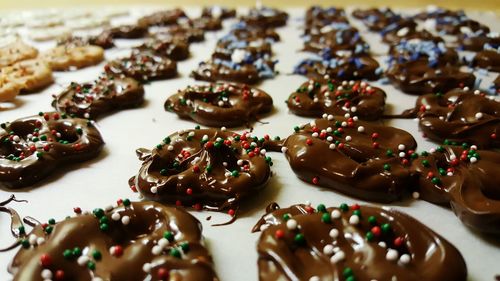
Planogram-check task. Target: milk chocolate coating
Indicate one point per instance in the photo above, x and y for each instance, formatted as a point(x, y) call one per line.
point(242, 31)
point(206, 23)
point(171, 48)
point(434, 52)
point(476, 42)
point(455, 26)
point(343, 68)
point(319, 96)
point(33, 147)
point(351, 159)
point(190, 169)
point(148, 241)
point(330, 244)
point(180, 33)
point(465, 179)
point(103, 40)
point(218, 12)
point(459, 116)
point(162, 18)
point(220, 105)
point(265, 17)
point(317, 18)
point(376, 19)
point(103, 95)
point(439, 13)
point(129, 31)
point(220, 70)
point(496, 84)
point(487, 59)
point(417, 77)
point(407, 34)
point(254, 50)
point(143, 67)
point(346, 39)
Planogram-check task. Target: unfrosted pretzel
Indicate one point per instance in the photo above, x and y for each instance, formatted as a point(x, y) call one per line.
point(63, 58)
point(9, 89)
point(16, 51)
point(31, 75)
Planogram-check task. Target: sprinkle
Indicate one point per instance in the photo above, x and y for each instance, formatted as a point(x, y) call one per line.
point(479, 115)
point(339, 256)
point(125, 220)
point(416, 195)
point(291, 224)
point(82, 260)
point(154, 189)
point(146, 267)
point(328, 249)
point(361, 129)
point(284, 149)
point(401, 147)
point(354, 219)
point(115, 216)
point(335, 214)
point(334, 233)
point(404, 259)
point(46, 274)
point(391, 255)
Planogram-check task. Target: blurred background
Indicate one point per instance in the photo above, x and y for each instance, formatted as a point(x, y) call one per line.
point(492, 5)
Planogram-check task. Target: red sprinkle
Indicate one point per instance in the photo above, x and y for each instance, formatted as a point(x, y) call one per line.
point(196, 169)
point(59, 274)
point(45, 260)
point(315, 180)
point(189, 191)
point(117, 250)
point(376, 230)
point(197, 207)
point(231, 212)
point(279, 234)
point(309, 142)
point(162, 273)
point(398, 241)
point(77, 210)
point(355, 207)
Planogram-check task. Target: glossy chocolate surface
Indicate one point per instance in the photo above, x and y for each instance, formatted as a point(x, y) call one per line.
point(356, 158)
point(33, 147)
point(143, 67)
point(130, 241)
point(162, 18)
point(319, 96)
point(463, 178)
point(459, 116)
point(352, 243)
point(343, 68)
point(171, 48)
point(487, 59)
point(220, 104)
point(106, 94)
point(203, 168)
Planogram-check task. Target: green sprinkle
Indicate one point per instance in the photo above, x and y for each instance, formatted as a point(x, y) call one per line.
point(91, 265)
point(96, 255)
point(386, 228)
point(168, 235)
point(104, 226)
point(347, 272)
point(344, 207)
point(299, 239)
point(372, 219)
point(321, 208)
point(369, 236)
point(326, 218)
point(175, 253)
point(286, 217)
point(387, 167)
point(185, 246)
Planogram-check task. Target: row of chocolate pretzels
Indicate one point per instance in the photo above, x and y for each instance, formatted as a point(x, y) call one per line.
point(150, 241)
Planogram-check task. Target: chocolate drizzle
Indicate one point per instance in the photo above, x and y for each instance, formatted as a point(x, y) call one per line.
point(106, 94)
point(327, 96)
point(131, 241)
point(352, 243)
point(33, 147)
point(356, 158)
point(220, 104)
point(463, 178)
point(203, 168)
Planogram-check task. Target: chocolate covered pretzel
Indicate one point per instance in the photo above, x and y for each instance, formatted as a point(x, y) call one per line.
point(352, 243)
point(143, 67)
point(33, 147)
point(463, 178)
point(352, 157)
point(203, 168)
point(127, 241)
point(220, 105)
point(328, 96)
point(343, 68)
point(106, 94)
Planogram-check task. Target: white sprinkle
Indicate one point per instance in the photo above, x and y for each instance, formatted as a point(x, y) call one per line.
point(382, 244)
point(473, 147)
point(332, 146)
point(401, 147)
point(354, 219)
point(477, 92)
point(125, 220)
point(315, 100)
point(310, 87)
point(97, 279)
point(355, 118)
point(115, 216)
point(86, 115)
point(465, 88)
point(220, 103)
point(227, 174)
point(170, 148)
point(224, 164)
point(239, 162)
point(329, 138)
point(354, 109)
point(335, 214)
point(82, 260)
point(46, 274)
point(473, 160)
point(204, 138)
point(32, 239)
point(347, 115)
point(432, 150)
point(348, 138)
point(339, 256)
point(415, 195)
point(284, 149)
point(479, 115)
point(163, 242)
point(453, 157)
point(291, 224)
point(154, 189)
point(16, 138)
point(361, 129)
point(40, 240)
point(315, 135)
point(404, 259)
point(402, 154)
point(156, 250)
point(391, 255)
point(314, 278)
point(330, 117)
point(334, 233)
point(329, 129)
point(146, 267)
point(191, 134)
point(263, 152)
point(449, 174)
point(324, 116)
point(328, 250)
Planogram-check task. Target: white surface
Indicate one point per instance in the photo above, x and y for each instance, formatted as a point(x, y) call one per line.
point(99, 182)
